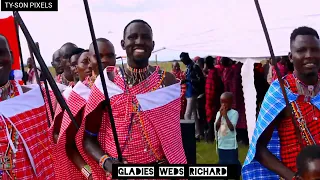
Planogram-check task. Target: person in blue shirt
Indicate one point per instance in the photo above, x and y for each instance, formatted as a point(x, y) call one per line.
point(195, 83)
point(225, 128)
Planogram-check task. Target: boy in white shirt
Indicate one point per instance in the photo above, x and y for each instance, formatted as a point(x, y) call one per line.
point(225, 128)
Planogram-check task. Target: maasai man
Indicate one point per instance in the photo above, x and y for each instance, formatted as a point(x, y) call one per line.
point(23, 127)
point(31, 73)
point(67, 79)
point(71, 164)
point(145, 137)
point(65, 52)
point(201, 100)
point(107, 55)
point(77, 100)
point(56, 64)
point(214, 89)
point(195, 83)
point(308, 163)
point(181, 76)
point(277, 139)
point(74, 63)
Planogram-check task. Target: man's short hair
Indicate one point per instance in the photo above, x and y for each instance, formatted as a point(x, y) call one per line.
point(304, 30)
point(135, 21)
point(307, 155)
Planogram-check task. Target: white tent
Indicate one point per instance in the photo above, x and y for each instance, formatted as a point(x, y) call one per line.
point(218, 27)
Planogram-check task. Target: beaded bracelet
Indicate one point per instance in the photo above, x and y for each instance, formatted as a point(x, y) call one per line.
point(86, 171)
point(103, 159)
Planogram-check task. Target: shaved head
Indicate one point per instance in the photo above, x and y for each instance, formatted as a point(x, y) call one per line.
point(106, 52)
point(227, 95)
point(56, 62)
point(5, 60)
point(56, 55)
point(101, 42)
point(67, 49)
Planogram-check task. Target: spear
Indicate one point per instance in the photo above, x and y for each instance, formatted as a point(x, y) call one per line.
point(44, 68)
point(20, 52)
point(274, 63)
point(104, 86)
point(47, 91)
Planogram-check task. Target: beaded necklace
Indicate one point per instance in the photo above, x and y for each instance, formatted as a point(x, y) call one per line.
point(309, 91)
point(136, 109)
point(9, 90)
point(136, 75)
point(7, 159)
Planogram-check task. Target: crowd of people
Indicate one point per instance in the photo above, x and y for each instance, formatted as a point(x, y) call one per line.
point(33, 148)
point(38, 139)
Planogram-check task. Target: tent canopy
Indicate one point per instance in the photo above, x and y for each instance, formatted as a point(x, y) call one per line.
point(226, 28)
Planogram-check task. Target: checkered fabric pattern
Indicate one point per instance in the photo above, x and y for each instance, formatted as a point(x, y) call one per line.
point(272, 105)
point(213, 91)
point(135, 150)
point(46, 100)
point(290, 147)
point(67, 170)
point(181, 75)
point(33, 127)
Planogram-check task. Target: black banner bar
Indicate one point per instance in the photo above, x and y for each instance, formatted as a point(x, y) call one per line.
point(29, 5)
point(175, 171)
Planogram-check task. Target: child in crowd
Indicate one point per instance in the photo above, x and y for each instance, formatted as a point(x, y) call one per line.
point(308, 163)
point(225, 128)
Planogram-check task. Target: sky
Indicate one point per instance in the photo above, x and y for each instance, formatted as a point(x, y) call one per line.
point(204, 27)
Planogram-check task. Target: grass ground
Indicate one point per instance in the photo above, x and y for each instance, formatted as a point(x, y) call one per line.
point(206, 153)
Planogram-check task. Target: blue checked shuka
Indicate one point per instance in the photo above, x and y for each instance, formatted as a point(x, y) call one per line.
point(272, 105)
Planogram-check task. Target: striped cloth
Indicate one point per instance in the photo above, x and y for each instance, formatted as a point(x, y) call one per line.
point(28, 123)
point(76, 101)
point(272, 105)
point(163, 132)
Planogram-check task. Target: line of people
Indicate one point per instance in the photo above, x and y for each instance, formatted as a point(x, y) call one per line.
point(30, 149)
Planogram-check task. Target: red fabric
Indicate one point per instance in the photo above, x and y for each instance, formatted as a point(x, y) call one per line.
point(182, 76)
point(32, 125)
point(67, 170)
point(46, 101)
point(283, 71)
point(57, 120)
point(213, 92)
point(10, 33)
point(227, 75)
point(165, 136)
point(237, 90)
point(289, 144)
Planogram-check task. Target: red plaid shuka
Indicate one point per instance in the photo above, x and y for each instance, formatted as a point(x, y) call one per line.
point(213, 91)
point(237, 90)
point(25, 118)
point(57, 122)
point(289, 145)
point(180, 75)
point(76, 101)
point(163, 132)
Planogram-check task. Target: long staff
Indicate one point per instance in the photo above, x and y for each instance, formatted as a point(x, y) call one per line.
point(274, 63)
point(104, 86)
point(44, 68)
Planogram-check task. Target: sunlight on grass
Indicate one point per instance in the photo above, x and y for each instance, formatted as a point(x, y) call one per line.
point(206, 153)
